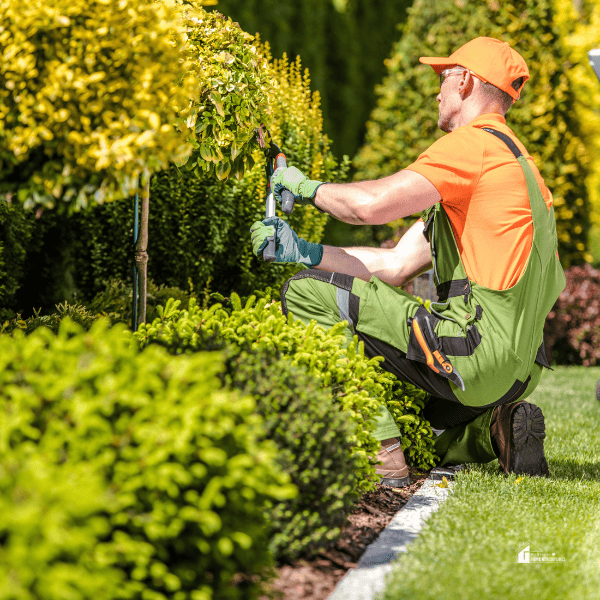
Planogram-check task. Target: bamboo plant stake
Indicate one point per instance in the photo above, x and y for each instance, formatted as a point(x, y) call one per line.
point(141, 256)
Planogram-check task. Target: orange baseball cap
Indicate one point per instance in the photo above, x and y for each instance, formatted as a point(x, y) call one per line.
point(492, 60)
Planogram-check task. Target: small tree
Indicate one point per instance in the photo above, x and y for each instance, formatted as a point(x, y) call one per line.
point(89, 96)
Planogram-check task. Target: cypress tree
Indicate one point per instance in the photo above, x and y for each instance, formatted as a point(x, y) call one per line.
point(404, 122)
point(343, 44)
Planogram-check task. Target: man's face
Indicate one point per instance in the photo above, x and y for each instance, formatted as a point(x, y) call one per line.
point(449, 99)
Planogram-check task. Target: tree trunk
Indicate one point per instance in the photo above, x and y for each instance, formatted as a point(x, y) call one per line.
point(141, 256)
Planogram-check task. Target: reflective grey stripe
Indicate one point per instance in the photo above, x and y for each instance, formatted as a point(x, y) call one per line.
point(342, 298)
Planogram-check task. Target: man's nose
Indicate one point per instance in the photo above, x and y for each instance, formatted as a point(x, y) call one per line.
point(439, 98)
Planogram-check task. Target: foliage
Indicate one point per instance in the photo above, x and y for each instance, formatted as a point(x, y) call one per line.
point(78, 314)
point(52, 518)
point(199, 228)
point(579, 24)
point(572, 330)
point(311, 434)
point(89, 95)
point(359, 386)
point(342, 42)
point(234, 88)
point(115, 301)
point(184, 462)
point(15, 235)
point(404, 123)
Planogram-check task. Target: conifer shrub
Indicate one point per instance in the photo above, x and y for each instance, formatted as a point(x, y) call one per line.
point(77, 313)
point(572, 329)
point(358, 385)
point(404, 123)
point(184, 462)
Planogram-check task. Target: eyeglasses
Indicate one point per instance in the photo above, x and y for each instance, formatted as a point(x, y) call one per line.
point(454, 71)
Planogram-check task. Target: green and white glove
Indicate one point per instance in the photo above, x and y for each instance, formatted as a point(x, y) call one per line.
point(291, 178)
point(289, 248)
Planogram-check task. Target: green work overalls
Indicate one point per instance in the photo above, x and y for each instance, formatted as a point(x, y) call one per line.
point(487, 343)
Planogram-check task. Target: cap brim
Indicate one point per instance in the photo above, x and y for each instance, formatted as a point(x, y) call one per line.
point(439, 63)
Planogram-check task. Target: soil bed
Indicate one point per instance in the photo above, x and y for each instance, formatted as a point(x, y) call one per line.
point(317, 578)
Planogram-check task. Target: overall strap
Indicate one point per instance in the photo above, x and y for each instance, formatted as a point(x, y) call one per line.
point(544, 225)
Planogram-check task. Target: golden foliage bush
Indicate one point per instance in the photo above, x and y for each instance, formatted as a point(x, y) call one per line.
point(89, 95)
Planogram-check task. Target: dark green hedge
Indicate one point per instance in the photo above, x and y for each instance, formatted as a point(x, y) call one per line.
point(343, 43)
point(404, 123)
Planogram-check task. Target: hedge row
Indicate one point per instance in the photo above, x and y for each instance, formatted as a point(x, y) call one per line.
point(171, 473)
point(359, 385)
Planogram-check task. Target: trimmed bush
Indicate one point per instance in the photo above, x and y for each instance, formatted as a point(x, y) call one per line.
point(311, 433)
point(185, 463)
point(572, 330)
point(359, 386)
point(52, 519)
point(404, 123)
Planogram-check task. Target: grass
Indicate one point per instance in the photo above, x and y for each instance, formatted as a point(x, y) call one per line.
point(469, 547)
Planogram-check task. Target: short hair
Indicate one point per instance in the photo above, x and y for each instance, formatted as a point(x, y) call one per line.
point(493, 93)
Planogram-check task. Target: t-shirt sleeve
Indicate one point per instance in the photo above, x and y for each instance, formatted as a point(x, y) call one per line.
point(453, 165)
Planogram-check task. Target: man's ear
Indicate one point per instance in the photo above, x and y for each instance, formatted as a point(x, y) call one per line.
point(465, 85)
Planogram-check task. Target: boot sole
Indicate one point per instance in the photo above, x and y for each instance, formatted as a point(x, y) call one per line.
point(396, 482)
point(528, 433)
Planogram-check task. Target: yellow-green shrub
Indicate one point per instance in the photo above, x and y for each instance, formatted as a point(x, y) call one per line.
point(579, 24)
point(358, 384)
point(188, 474)
point(89, 95)
point(199, 227)
point(234, 84)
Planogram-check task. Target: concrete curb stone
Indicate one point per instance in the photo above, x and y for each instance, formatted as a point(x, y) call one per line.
point(367, 580)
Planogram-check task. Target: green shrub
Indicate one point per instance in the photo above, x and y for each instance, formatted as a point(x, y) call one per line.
point(404, 123)
point(77, 313)
point(15, 235)
point(311, 434)
point(52, 518)
point(359, 386)
point(115, 301)
point(189, 473)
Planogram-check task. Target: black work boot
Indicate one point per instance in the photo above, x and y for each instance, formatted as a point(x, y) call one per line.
point(518, 431)
point(394, 469)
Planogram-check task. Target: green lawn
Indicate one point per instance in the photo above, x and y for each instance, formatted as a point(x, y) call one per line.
point(468, 549)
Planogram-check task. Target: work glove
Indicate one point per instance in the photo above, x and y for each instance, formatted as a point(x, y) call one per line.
point(291, 178)
point(289, 248)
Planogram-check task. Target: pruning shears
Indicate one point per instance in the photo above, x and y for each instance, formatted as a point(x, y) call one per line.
point(275, 159)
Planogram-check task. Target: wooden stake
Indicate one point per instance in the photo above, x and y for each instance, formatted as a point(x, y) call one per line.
point(141, 255)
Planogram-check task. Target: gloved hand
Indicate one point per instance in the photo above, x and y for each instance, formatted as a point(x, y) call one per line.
point(289, 248)
point(303, 188)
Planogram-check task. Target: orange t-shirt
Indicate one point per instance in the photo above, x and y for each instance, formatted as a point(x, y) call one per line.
point(485, 196)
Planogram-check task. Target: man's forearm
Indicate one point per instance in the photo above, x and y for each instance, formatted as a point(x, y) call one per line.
point(395, 266)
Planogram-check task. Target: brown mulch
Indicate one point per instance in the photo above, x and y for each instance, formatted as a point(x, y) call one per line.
point(317, 578)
